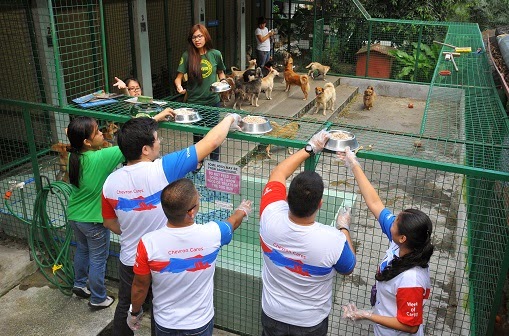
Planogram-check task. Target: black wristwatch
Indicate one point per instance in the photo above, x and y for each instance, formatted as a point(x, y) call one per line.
point(309, 149)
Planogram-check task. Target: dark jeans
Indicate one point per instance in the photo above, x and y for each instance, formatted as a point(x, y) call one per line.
point(272, 327)
point(262, 57)
point(120, 327)
point(206, 330)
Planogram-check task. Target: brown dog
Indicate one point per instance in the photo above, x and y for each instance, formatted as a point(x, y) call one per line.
point(108, 132)
point(293, 78)
point(325, 98)
point(227, 95)
point(61, 149)
point(288, 131)
point(369, 98)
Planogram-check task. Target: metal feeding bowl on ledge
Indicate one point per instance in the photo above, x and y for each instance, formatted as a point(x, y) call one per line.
point(220, 87)
point(255, 125)
point(186, 115)
point(341, 139)
point(145, 110)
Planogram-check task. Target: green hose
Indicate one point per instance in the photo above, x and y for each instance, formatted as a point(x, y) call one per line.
point(49, 242)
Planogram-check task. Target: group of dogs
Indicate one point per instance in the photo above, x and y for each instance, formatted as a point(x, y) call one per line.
point(249, 83)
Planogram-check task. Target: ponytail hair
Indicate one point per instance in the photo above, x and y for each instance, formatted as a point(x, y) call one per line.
point(417, 227)
point(79, 129)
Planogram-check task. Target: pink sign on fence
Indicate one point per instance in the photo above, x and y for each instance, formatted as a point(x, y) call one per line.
point(223, 177)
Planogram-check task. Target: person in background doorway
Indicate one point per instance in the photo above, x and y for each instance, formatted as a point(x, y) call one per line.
point(129, 87)
point(179, 259)
point(263, 36)
point(203, 65)
point(301, 256)
point(403, 282)
point(132, 194)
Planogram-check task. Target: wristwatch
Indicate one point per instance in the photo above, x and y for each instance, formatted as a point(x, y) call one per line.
point(309, 149)
point(135, 314)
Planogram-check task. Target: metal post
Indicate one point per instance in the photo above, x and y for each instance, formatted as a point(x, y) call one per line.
point(31, 147)
point(103, 46)
point(141, 46)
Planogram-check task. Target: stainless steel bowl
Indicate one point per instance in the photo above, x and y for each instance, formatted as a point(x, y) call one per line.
point(186, 115)
point(220, 87)
point(256, 128)
point(339, 145)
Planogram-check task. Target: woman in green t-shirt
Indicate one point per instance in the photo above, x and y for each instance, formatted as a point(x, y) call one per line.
point(203, 65)
point(89, 166)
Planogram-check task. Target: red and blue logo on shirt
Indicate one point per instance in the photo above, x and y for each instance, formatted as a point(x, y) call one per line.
point(295, 266)
point(192, 264)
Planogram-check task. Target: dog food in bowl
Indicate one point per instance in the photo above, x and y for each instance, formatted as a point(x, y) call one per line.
point(220, 87)
point(186, 115)
point(255, 125)
point(340, 139)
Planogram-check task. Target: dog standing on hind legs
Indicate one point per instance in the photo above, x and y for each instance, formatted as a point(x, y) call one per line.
point(369, 98)
point(293, 78)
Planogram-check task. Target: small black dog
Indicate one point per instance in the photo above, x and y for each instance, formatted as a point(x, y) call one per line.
point(248, 88)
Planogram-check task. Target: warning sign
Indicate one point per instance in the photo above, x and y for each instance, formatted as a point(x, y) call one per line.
point(223, 177)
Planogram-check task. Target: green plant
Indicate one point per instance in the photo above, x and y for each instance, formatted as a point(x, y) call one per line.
point(419, 64)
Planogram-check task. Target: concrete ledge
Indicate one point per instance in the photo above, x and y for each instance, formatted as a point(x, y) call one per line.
point(15, 266)
point(392, 89)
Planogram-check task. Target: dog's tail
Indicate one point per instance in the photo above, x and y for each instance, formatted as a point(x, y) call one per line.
point(304, 79)
point(309, 65)
point(234, 68)
point(329, 85)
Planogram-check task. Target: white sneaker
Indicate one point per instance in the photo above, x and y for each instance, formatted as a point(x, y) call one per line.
point(105, 304)
point(81, 292)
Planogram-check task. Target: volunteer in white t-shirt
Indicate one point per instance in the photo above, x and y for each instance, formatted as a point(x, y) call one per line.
point(301, 256)
point(262, 42)
point(402, 281)
point(131, 200)
point(179, 259)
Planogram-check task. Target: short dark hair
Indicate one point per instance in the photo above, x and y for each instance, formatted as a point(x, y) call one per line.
point(305, 193)
point(177, 198)
point(261, 20)
point(135, 134)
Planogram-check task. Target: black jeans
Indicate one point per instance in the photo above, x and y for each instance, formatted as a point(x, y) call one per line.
point(272, 327)
point(120, 327)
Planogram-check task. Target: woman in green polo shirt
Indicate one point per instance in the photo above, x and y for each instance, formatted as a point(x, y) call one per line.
point(203, 65)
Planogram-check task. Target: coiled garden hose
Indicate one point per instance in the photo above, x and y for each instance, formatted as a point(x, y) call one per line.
point(49, 234)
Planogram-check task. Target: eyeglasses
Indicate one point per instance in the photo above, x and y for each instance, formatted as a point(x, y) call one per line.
point(197, 37)
point(135, 89)
point(194, 206)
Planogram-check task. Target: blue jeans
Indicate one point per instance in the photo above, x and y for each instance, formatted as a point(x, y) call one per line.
point(92, 249)
point(272, 327)
point(206, 330)
point(262, 57)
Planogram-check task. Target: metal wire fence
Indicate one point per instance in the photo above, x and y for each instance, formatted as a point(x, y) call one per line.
point(455, 169)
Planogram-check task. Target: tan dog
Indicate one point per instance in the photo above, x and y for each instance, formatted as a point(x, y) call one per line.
point(369, 98)
point(315, 66)
point(227, 95)
point(325, 98)
point(236, 72)
point(288, 131)
point(268, 83)
point(293, 78)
